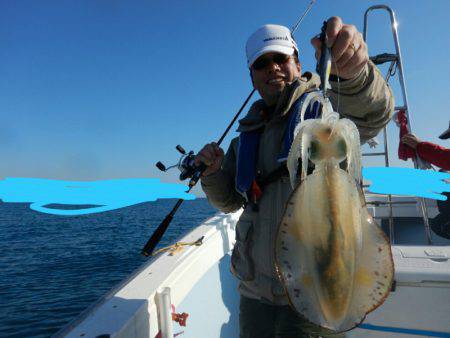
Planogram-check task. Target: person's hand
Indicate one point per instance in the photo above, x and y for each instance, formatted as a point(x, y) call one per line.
point(411, 140)
point(348, 50)
point(211, 155)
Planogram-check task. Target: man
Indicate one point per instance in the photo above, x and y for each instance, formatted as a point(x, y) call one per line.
point(275, 70)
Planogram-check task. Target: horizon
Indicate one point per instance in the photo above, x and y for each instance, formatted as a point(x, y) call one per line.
point(99, 90)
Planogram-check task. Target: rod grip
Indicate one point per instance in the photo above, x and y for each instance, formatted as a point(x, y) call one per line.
point(156, 236)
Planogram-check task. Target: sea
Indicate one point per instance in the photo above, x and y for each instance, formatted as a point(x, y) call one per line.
point(53, 267)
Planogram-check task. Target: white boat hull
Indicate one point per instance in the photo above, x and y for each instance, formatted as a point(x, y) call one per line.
point(202, 286)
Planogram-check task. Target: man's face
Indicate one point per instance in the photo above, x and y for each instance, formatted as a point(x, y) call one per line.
point(271, 73)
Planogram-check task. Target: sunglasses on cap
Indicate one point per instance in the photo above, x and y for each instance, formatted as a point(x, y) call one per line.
point(264, 61)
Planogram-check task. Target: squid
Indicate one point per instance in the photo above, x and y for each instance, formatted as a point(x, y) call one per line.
point(333, 260)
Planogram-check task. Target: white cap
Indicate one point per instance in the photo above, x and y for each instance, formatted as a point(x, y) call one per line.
point(269, 38)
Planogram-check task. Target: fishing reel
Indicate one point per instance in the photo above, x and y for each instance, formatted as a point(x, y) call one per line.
point(185, 164)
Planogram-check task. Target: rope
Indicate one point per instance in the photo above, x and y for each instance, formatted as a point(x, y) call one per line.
point(178, 247)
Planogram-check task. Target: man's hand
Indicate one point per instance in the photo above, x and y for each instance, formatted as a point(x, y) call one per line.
point(212, 156)
point(411, 140)
point(348, 50)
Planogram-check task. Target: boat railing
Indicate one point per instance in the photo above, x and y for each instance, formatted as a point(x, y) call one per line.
point(395, 68)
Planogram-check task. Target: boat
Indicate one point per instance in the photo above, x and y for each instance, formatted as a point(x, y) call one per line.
point(187, 290)
point(195, 287)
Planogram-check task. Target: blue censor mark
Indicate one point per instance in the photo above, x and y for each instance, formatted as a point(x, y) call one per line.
point(103, 195)
point(407, 181)
point(113, 194)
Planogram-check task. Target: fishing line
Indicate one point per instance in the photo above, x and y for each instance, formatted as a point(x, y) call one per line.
point(338, 87)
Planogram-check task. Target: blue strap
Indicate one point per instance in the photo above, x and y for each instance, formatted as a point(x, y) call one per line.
point(294, 119)
point(246, 160)
point(249, 144)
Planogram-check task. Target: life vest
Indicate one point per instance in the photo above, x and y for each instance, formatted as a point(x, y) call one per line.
point(247, 182)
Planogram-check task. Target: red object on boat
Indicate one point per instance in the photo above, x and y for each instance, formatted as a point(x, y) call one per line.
point(404, 152)
point(434, 154)
point(180, 318)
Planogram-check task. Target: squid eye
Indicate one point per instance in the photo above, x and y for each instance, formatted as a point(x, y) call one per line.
point(314, 150)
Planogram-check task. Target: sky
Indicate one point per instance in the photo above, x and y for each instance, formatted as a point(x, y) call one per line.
point(95, 90)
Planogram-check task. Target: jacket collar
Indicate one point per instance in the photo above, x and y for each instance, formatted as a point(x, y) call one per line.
point(255, 116)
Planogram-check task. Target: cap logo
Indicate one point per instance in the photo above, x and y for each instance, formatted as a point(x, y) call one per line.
point(277, 38)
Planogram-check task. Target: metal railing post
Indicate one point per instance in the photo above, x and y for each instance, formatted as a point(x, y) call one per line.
point(399, 64)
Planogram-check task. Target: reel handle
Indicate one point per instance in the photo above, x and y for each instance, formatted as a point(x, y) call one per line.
point(161, 166)
point(180, 149)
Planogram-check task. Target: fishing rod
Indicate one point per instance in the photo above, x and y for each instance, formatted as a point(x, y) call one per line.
point(189, 170)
